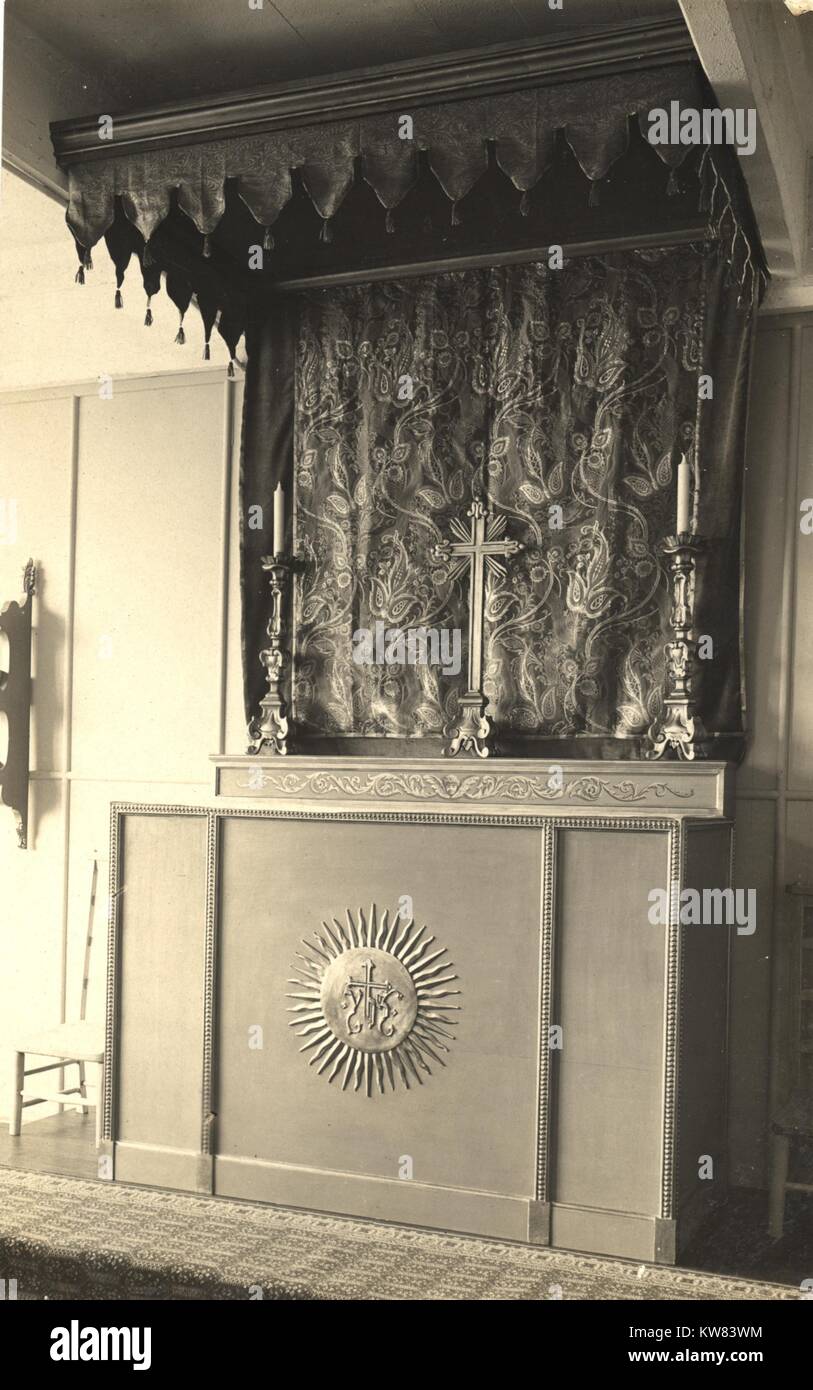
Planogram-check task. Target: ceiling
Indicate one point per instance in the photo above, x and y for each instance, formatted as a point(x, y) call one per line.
point(163, 50)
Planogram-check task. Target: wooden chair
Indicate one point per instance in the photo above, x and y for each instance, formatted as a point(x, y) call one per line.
point(78, 1044)
point(794, 1119)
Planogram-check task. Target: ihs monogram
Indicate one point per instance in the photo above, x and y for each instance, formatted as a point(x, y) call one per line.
point(374, 1002)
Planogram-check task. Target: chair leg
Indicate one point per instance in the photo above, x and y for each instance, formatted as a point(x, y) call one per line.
point(18, 1081)
point(780, 1149)
point(83, 1090)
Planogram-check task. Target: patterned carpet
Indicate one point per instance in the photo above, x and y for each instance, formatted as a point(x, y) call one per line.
point(68, 1238)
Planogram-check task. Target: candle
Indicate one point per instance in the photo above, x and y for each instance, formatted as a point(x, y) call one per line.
point(683, 495)
point(279, 520)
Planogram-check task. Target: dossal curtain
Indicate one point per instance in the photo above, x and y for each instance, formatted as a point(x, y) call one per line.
point(563, 397)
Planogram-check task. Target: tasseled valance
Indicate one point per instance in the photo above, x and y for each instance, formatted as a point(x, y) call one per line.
point(594, 116)
point(196, 215)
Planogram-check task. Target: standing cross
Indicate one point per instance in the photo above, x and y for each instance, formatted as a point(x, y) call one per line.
point(477, 549)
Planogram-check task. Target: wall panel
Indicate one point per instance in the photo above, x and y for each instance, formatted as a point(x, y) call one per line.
point(145, 475)
point(147, 582)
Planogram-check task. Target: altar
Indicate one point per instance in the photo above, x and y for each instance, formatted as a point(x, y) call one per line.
point(427, 953)
point(544, 1063)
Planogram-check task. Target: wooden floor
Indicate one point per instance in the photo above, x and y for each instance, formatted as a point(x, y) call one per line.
point(63, 1144)
point(737, 1243)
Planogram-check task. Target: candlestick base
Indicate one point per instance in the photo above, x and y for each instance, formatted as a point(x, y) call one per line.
point(271, 731)
point(472, 733)
point(681, 734)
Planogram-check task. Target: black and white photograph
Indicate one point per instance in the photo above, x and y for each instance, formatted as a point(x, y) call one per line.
point(406, 668)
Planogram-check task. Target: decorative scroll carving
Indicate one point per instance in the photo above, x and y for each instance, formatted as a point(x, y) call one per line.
point(15, 704)
point(372, 1001)
point(475, 786)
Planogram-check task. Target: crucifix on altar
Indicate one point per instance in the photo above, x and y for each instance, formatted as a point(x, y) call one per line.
point(478, 549)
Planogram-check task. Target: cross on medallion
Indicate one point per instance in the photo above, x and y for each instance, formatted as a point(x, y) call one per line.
point(371, 997)
point(478, 550)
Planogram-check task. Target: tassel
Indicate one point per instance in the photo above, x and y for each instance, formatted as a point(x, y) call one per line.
point(148, 258)
point(180, 336)
point(231, 369)
point(672, 186)
point(85, 263)
point(525, 203)
point(455, 216)
point(207, 247)
point(594, 199)
point(268, 240)
point(148, 315)
point(326, 233)
point(207, 352)
point(119, 302)
point(389, 221)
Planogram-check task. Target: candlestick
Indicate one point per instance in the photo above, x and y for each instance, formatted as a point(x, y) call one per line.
point(683, 495)
point(680, 732)
point(271, 729)
point(279, 520)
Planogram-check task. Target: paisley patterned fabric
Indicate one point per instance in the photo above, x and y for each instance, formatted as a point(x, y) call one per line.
point(563, 397)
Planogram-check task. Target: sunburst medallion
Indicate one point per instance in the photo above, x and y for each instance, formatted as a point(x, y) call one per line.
point(372, 1001)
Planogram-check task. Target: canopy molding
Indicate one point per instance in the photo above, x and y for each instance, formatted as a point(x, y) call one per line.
point(594, 115)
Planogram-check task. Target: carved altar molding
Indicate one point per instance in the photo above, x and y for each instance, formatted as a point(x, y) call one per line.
point(471, 787)
point(695, 791)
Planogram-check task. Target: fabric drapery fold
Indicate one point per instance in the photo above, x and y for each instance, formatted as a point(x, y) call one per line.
point(565, 399)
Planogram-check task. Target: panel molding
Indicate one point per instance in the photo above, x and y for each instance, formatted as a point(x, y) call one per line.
point(208, 1117)
point(548, 895)
point(676, 867)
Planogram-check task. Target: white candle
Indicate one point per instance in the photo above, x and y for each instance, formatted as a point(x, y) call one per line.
point(279, 520)
point(683, 495)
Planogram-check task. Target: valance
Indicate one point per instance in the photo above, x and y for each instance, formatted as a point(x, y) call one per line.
point(594, 116)
point(221, 222)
